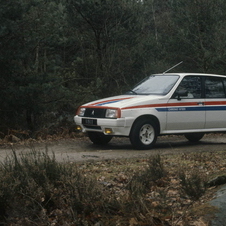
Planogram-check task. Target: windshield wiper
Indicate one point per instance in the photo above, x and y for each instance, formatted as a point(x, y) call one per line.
point(132, 91)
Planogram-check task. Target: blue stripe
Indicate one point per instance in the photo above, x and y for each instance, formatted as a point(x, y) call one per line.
point(200, 108)
point(215, 108)
point(110, 102)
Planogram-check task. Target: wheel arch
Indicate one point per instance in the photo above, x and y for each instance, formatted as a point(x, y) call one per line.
point(149, 117)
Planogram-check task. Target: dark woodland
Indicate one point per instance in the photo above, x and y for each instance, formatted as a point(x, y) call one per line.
point(56, 55)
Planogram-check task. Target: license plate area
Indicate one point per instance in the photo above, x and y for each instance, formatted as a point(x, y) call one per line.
point(90, 122)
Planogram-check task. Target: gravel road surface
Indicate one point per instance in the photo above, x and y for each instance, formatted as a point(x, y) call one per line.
point(81, 149)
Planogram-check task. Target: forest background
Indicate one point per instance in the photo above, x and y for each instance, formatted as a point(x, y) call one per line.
point(56, 55)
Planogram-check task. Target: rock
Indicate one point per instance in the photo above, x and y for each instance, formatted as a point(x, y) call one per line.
point(217, 181)
point(219, 202)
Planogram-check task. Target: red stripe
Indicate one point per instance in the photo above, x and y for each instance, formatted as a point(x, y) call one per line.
point(101, 102)
point(162, 105)
point(176, 104)
point(215, 103)
point(153, 105)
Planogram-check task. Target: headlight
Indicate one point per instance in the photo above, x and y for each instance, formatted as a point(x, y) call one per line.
point(81, 112)
point(111, 113)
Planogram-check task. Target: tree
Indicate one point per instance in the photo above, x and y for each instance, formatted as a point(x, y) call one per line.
point(30, 33)
point(197, 25)
point(56, 55)
point(112, 43)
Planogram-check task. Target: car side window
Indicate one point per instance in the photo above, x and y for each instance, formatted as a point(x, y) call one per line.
point(214, 87)
point(191, 85)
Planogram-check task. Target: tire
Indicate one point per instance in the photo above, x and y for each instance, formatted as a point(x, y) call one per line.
point(99, 138)
point(143, 134)
point(194, 137)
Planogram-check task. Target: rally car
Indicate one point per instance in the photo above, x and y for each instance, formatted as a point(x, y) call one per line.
point(191, 104)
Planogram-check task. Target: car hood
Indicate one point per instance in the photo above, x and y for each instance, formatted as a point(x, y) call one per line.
point(124, 101)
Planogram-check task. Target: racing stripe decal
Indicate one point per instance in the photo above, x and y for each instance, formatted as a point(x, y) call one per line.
point(162, 105)
point(215, 103)
point(200, 108)
point(109, 101)
point(177, 109)
point(188, 106)
point(216, 108)
point(168, 107)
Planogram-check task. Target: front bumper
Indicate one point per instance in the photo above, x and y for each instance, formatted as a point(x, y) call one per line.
point(119, 126)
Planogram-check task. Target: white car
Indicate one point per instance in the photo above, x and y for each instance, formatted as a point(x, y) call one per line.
point(170, 103)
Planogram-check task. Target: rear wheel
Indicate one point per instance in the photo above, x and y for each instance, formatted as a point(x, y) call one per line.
point(194, 137)
point(143, 134)
point(99, 138)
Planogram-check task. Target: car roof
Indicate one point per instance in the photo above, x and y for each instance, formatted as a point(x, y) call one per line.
point(197, 74)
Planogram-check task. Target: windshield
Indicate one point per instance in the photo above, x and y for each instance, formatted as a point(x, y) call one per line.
point(155, 84)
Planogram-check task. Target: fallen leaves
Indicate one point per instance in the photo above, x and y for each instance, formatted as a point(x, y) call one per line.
point(166, 201)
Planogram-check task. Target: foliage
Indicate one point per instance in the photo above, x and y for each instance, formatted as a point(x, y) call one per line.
point(140, 185)
point(100, 192)
point(56, 55)
point(197, 24)
point(142, 181)
point(193, 185)
point(47, 188)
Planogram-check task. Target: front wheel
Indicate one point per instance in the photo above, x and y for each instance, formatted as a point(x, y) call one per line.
point(99, 138)
point(143, 134)
point(194, 137)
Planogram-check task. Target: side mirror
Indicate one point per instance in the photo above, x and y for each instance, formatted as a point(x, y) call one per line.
point(181, 93)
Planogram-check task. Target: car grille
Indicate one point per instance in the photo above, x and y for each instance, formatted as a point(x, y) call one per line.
point(95, 113)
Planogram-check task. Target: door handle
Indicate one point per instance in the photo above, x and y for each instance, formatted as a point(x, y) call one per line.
point(200, 103)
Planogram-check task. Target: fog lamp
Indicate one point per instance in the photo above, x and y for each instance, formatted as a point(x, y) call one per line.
point(108, 131)
point(78, 128)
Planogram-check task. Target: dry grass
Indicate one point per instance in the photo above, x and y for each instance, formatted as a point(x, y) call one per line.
point(110, 192)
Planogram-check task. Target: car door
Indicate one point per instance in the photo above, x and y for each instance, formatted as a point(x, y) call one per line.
point(215, 101)
point(186, 112)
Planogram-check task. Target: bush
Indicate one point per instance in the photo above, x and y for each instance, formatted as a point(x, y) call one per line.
point(140, 184)
point(142, 181)
point(192, 185)
point(35, 189)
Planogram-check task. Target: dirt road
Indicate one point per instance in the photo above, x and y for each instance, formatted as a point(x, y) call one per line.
point(81, 149)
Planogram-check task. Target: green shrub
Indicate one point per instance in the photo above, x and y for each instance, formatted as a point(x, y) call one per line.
point(141, 182)
point(193, 185)
point(34, 188)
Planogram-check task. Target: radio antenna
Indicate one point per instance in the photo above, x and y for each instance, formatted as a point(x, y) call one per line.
point(172, 67)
